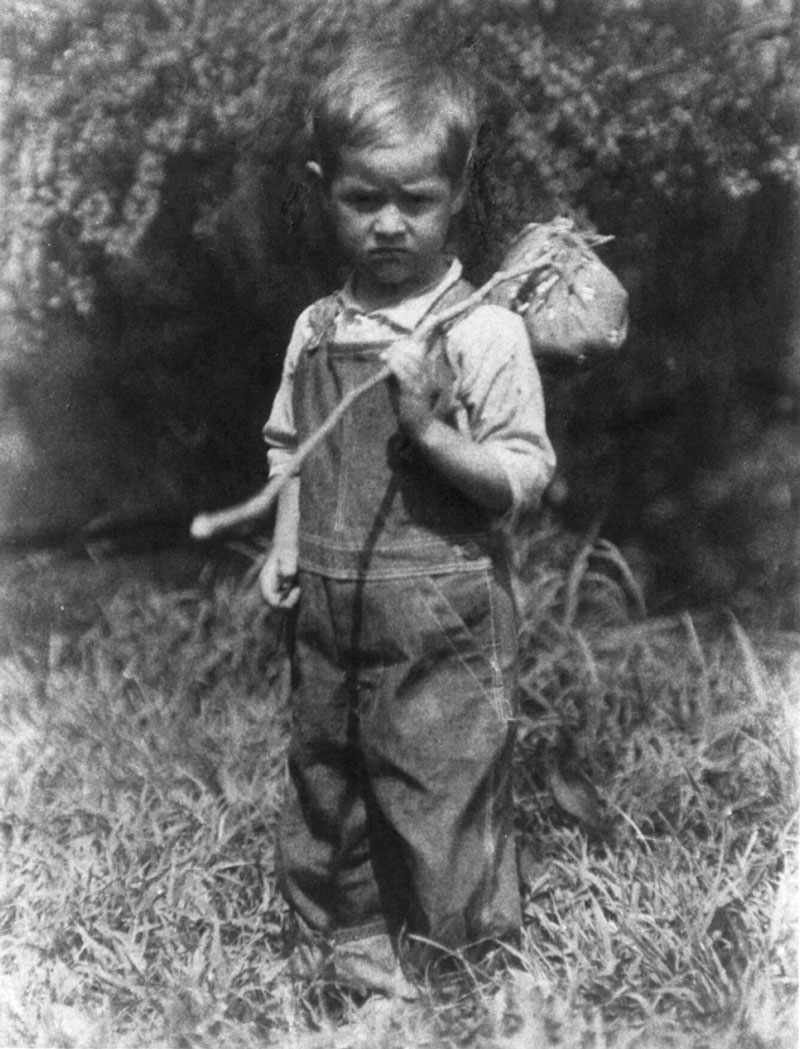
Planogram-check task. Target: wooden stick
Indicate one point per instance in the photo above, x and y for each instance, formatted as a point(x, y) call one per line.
point(205, 526)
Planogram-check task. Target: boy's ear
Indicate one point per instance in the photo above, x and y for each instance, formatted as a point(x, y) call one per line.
point(315, 174)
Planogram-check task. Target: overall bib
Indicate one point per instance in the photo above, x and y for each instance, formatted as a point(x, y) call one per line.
point(399, 812)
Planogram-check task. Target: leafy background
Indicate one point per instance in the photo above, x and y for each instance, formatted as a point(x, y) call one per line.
point(158, 239)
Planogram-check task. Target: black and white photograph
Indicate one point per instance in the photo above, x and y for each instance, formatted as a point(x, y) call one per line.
point(399, 524)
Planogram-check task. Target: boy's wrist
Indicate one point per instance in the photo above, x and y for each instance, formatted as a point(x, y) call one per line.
point(284, 548)
point(421, 429)
point(415, 417)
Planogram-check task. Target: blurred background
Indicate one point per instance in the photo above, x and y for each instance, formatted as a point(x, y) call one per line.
point(157, 241)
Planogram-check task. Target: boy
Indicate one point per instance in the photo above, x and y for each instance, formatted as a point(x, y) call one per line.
point(399, 812)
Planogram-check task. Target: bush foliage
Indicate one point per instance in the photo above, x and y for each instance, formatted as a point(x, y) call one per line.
point(128, 123)
point(158, 240)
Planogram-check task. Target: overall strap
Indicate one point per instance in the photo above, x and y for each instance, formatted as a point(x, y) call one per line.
point(451, 296)
point(441, 370)
point(458, 292)
point(321, 320)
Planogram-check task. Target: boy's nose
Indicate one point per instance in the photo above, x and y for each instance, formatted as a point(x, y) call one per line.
point(389, 220)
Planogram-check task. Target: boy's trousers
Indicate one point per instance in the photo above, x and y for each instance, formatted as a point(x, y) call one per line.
point(399, 808)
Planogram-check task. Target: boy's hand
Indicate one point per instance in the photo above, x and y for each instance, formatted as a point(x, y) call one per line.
point(415, 391)
point(278, 579)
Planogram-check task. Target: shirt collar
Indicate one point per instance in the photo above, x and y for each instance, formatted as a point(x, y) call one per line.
point(408, 313)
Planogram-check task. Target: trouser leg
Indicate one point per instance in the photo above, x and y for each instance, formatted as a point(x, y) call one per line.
point(399, 807)
point(324, 849)
point(339, 862)
point(437, 741)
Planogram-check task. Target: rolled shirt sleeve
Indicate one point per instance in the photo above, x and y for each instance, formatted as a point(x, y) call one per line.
point(279, 430)
point(502, 402)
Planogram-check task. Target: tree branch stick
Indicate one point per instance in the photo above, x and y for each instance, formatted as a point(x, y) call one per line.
point(205, 526)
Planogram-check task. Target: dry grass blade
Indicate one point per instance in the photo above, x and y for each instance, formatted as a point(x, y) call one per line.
point(697, 649)
point(752, 665)
point(577, 572)
point(606, 550)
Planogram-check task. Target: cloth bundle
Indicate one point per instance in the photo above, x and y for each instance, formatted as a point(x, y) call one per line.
point(572, 304)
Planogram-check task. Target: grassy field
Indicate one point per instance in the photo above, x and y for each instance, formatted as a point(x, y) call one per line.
point(144, 718)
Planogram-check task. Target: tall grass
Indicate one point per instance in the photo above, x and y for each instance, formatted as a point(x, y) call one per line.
point(143, 725)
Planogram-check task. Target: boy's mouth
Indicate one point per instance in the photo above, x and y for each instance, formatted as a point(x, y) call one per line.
point(389, 253)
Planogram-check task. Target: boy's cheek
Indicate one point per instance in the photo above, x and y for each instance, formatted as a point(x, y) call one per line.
point(349, 224)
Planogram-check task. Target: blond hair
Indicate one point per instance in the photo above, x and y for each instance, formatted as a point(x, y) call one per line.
point(381, 88)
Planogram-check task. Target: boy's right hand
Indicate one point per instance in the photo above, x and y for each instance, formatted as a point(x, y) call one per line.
point(278, 579)
point(414, 390)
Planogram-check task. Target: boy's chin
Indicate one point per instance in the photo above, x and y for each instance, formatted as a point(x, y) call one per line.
point(392, 272)
point(397, 279)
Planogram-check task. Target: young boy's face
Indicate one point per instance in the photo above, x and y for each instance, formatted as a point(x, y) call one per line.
point(392, 207)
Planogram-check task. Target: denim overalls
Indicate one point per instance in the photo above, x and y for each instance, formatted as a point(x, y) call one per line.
point(399, 811)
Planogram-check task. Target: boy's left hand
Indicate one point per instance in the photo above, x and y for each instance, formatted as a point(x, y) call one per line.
point(415, 390)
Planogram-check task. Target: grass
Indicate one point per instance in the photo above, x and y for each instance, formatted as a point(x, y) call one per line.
point(144, 720)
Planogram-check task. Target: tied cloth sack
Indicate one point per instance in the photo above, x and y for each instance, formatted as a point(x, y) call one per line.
point(573, 306)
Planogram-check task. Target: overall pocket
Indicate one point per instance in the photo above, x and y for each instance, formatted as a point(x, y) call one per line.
point(475, 622)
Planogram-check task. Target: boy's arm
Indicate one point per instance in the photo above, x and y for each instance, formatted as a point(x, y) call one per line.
point(278, 577)
point(469, 466)
point(500, 455)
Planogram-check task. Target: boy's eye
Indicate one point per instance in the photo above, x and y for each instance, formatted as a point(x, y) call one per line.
point(361, 200)
point(365, 201)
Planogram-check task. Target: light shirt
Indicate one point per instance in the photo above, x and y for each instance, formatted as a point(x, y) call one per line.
point(498, 392)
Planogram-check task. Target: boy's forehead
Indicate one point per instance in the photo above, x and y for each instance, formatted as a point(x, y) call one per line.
point(398, 158)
